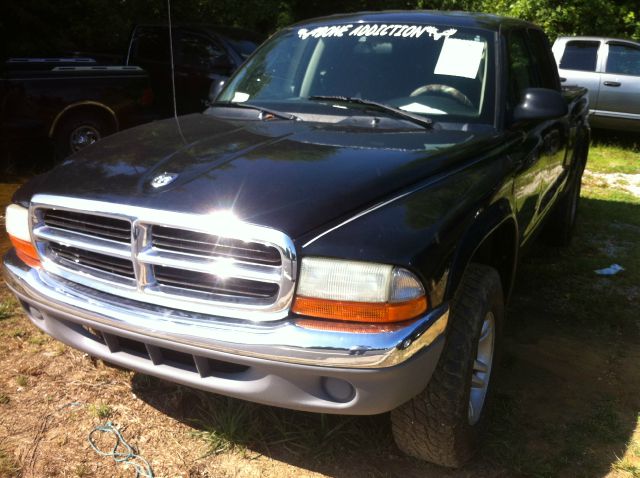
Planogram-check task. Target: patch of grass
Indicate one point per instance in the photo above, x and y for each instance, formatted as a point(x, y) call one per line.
point(4, 398)
point(627, 466)
point(608, 158)
point(39, 339)
point(22, 380)
point(630, 462)
point(603, 424)
point(82, 471)
point(9, 467)
point(560, 445)
point(7, 308)
point(229, 424)
point(19, 333)
point(101, 410)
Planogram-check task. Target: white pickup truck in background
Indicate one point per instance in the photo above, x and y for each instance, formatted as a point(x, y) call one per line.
point(610, 69)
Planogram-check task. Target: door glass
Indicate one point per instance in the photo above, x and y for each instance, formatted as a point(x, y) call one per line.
point(151, 45)
point(623, 59)
point(521, 70)
point(199, 52)
point(580, 55)
point(546, 66)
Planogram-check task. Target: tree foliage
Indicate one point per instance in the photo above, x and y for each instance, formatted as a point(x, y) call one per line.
point(46, 27)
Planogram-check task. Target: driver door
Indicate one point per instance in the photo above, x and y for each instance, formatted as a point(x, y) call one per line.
point(539, 156)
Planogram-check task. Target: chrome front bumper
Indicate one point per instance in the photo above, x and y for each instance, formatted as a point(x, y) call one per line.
point(281, 363)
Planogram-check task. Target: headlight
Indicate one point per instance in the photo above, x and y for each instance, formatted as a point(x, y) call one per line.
point(358, 291)
point(17, 224)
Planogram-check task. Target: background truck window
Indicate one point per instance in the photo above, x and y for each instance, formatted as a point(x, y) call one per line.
point(623, 59)
point(580, 55)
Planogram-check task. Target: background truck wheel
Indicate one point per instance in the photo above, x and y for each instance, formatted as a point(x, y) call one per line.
point(79, 130)
point(444, 422)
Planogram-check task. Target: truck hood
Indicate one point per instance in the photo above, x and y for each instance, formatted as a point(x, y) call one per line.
point(290, 175)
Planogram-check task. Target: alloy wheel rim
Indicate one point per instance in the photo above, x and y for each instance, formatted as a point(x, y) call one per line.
point(481, 372)
point(83, 136)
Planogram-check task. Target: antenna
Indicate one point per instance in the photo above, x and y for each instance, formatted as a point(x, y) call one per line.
point(173, 73)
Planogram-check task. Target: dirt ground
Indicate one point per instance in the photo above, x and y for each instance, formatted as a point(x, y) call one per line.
point(567, 402)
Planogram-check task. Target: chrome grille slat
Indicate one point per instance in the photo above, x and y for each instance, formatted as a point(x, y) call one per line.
point(216, 265)
point(83, 241)
point(211, 266)
point(104, 227)
point(102, 262)
point(89, 226)
point(198, 243)
point(207, 283)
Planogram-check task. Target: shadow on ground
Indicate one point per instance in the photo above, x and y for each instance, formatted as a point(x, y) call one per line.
point(622, 139)
point(567, 394)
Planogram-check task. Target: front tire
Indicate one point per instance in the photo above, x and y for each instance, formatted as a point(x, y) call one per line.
point(444, 423)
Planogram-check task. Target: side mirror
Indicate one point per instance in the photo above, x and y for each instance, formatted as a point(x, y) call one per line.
point(216, 88)
point(540, 104)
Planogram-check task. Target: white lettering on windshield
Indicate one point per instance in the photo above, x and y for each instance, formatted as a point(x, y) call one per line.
point(371, 30)
point(324, 32)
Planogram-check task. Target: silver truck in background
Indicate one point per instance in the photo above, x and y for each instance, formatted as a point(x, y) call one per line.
point(610, 69)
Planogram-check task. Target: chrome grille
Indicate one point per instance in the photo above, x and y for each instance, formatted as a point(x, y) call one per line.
point(215, 265)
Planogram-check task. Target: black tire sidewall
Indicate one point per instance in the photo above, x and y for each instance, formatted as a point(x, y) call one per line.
point(493, 302)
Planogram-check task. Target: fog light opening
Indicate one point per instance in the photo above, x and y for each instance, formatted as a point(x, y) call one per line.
point(35, 313)
point(338, 390)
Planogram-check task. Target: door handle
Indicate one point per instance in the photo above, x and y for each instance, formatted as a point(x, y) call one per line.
point(562, 80)
point(612, 83)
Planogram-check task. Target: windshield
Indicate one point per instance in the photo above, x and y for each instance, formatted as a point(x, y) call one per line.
point(442, 72)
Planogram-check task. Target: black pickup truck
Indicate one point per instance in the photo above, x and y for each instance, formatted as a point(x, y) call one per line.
point(339, 233)
point(72, 101)
point(75, 101)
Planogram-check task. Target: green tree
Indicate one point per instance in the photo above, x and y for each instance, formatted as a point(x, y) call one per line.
point(46, 27)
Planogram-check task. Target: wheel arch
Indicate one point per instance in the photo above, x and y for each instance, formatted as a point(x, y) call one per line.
point(73, 108)
point(491, 240)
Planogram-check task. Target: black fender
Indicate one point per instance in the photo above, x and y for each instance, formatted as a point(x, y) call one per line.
point(498, 218)
point(433, 231)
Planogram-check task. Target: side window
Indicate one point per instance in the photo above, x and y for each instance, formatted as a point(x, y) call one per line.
point(199, 52)
point(545, 64)
point(521, 68)
point(580, 55)
point(623, 59)
point(152, 45)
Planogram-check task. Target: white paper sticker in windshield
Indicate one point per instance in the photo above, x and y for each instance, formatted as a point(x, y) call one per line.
point(375, 30)
point(459, 58)
point(239, 97)
point(420, 108)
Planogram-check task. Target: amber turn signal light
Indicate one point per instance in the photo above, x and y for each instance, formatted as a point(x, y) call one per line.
point(372, 312)
point(25, 251)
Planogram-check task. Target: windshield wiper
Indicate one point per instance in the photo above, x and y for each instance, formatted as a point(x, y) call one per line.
point(420, 120)
point(263, 111)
